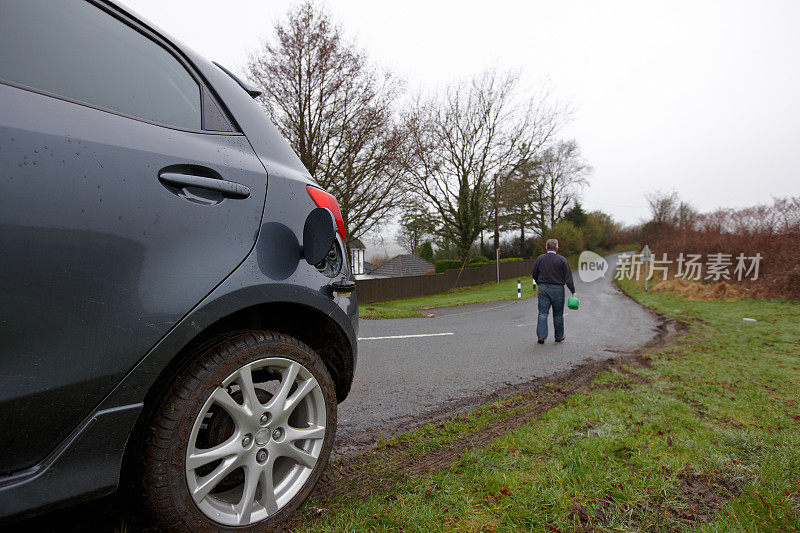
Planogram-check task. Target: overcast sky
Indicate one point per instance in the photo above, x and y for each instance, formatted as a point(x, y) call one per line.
point(698, 97)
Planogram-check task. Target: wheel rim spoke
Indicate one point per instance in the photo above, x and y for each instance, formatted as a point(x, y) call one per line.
point(279, 401)
point(268, 499)
point(245, 381)
point(310, 433)
point(245, 506)
point(206, 484)
point(301, 457)
point(202, 457)
point(301, 392)
point(221, 397)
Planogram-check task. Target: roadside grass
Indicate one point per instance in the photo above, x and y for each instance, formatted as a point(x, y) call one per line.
point(701, 433)
point(415, 307)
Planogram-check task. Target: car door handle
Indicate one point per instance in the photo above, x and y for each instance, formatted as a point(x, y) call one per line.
point(229, 189)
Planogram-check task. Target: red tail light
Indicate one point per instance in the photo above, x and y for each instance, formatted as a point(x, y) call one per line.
point(324, 199)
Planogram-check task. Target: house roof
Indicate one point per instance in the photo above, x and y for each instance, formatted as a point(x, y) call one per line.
point(369, 267)
point(403, 265)
point(356, 244)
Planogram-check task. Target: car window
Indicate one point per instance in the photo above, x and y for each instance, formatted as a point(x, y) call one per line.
point(75, 49)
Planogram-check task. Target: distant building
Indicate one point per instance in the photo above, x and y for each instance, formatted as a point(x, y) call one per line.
point(402, 265)
point(357, 250)
point(369, 268)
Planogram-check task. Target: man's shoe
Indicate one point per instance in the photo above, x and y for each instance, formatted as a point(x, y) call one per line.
point(561, 339)
point(540, 341)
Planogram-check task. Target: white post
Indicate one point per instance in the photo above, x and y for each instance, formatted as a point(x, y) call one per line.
point(519, 289)
point(497, 259)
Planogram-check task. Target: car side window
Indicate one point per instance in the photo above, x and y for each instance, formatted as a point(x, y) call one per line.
point(76, 50)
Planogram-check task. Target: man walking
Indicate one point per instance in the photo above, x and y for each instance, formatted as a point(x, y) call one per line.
point(551, 271)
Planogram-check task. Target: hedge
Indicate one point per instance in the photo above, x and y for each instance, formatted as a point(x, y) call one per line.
point(455, 264)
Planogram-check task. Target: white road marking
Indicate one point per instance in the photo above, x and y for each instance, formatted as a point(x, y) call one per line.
point(405, 336)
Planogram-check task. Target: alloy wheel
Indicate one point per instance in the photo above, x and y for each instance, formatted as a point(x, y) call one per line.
point(255, 441)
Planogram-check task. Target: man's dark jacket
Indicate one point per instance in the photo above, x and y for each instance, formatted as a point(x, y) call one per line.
point(553, 269)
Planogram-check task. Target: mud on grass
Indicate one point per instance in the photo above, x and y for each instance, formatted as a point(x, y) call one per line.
point(702, 432)
point(438, 444)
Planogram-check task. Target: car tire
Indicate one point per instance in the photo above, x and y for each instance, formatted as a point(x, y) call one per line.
point(243, 422)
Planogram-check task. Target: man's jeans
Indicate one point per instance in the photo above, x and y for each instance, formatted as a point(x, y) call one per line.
point(551, 296)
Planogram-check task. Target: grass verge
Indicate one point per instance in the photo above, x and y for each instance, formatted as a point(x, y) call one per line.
point(700, 433)
point(416, 307)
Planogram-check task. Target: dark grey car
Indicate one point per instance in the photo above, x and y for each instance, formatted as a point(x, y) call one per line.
point(163, 317)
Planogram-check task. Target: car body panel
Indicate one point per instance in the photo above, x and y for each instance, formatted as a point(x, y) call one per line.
point(99, 258)
point(84, 465)
point(246, 287)
point(141, 299)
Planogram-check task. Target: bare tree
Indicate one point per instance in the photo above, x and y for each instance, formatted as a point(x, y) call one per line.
point(663, 207)
point(378, 258)
point(686, 215)
point(336, 110)
point(464, 137)
point(564, 174)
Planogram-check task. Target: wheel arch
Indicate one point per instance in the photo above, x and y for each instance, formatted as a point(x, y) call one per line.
point(303, 322)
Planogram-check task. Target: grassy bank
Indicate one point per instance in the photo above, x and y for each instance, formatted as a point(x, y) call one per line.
point(702, 433)
point(416, 307)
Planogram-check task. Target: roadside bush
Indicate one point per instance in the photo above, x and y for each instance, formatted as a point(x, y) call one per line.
point(625, 235)
point(514, 247)
point(771, 230)
point(445, 250)
point(447, 264)
point(454, 264)
point(537, 248)
point(481, 259)
point(598, 230)
point(570, 238)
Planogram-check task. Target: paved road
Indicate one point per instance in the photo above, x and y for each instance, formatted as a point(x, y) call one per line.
point(475, 350)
